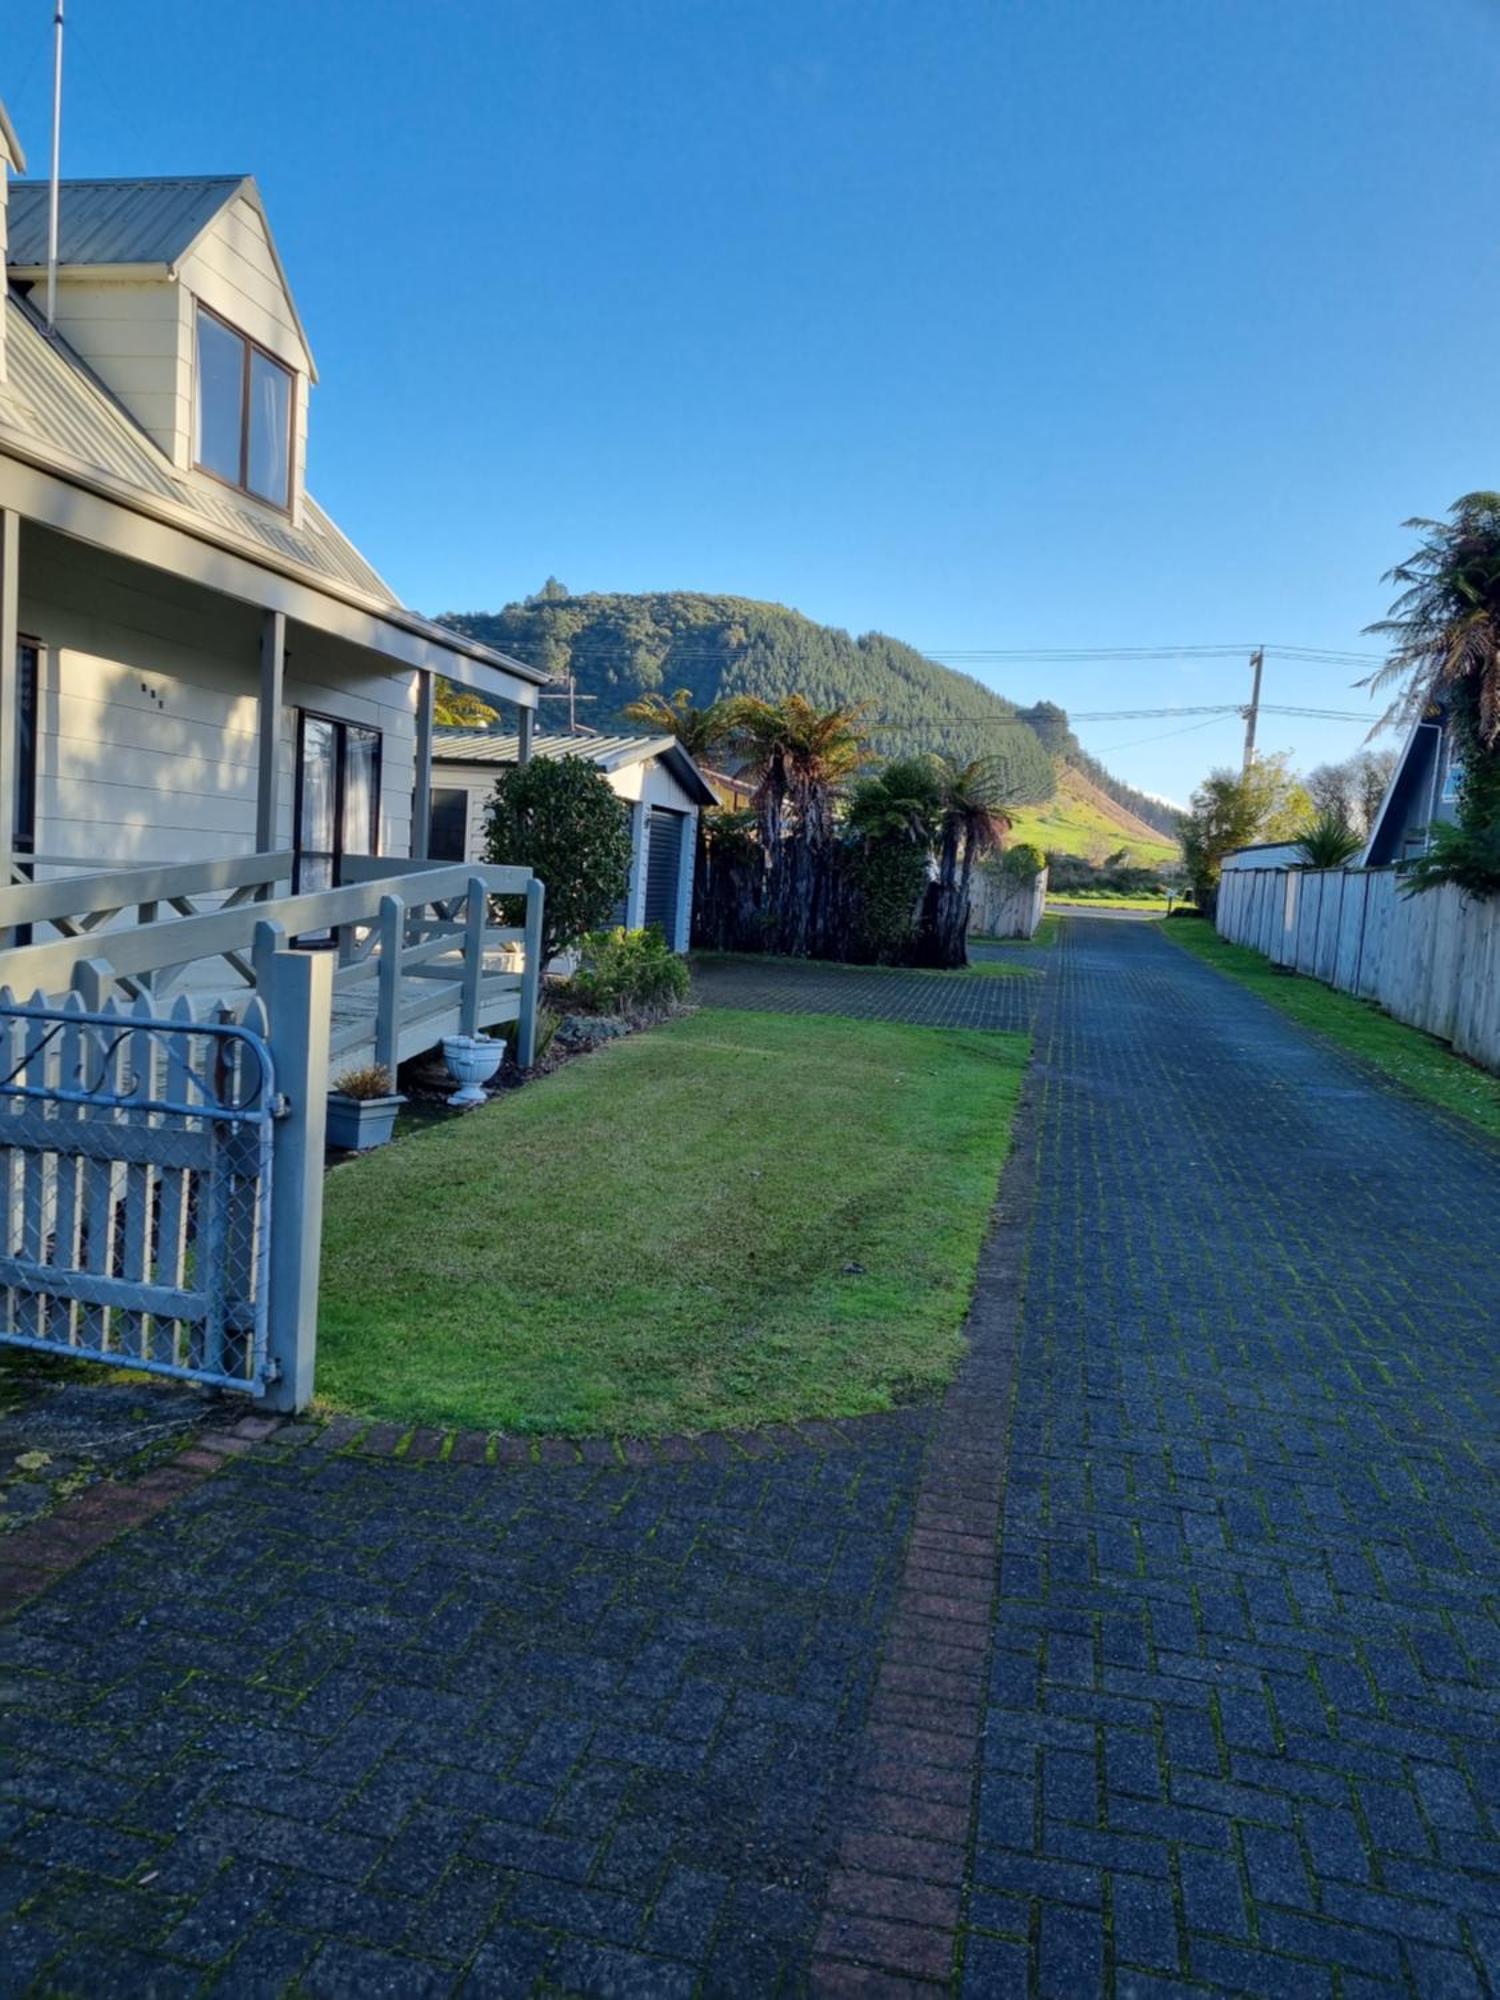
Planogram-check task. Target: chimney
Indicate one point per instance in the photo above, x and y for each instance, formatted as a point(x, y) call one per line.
point(12, 161)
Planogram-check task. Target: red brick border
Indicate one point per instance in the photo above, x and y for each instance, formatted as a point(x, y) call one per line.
point(34, 1557)
point(891, 1919)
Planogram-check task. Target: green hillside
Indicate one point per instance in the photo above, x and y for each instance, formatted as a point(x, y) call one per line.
point(1079, 819)
point(618, 647)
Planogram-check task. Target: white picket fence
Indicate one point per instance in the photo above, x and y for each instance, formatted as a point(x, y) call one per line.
point(1432, 960)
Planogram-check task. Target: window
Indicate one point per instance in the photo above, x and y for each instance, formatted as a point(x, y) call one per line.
point(28, 654)
point(338, 798)
point(244, 412)
point(448, 827)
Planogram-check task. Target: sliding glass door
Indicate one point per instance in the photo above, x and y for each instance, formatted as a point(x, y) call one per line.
point(338, 797)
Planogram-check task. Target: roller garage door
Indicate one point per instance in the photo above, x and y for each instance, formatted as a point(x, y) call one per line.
point(663, 870)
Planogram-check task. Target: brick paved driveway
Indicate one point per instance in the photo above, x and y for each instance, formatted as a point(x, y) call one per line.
point(1243, 1717)
point(1224, 1719)
point(877, 993)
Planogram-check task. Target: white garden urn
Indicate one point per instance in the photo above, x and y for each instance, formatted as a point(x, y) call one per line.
point(472, 1060)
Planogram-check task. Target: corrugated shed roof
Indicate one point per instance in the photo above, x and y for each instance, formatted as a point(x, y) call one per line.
point(54, 399)
point(481, 746)
point(610, 753)
point(115, 221)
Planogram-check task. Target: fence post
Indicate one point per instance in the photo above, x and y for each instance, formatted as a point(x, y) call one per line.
point(297, 990)
point(531, 975)
point(476, 918)
point(268, 939)
point(388, 982)
point(93, 982)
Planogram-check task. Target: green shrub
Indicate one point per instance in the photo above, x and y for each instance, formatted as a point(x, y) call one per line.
point(625, 972)
point(559, 818)
point(1021, 863)
point(509, 1032)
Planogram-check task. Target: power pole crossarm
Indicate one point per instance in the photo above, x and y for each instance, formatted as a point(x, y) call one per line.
point(1252, 713)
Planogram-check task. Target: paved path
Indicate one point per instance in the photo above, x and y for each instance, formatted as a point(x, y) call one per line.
point(969, 999)
point(1243, 1718)
point(1224, 1718)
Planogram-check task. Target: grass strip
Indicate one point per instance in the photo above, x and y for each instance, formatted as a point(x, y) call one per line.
point(737, 1218)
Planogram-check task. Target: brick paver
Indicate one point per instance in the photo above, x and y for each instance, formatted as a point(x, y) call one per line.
point(379, 1725)
point(1242, 1730)
point(925, 999)
point(370, 1710)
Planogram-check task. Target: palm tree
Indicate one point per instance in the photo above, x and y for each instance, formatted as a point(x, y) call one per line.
point(972, 821)
point(700, 731)
point(901, 803)
point(799, 758)
point(1445, 625)
point(1444, 630)
point(1328, 841)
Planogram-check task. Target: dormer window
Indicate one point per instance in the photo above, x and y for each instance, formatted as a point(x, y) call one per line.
point(244, 412)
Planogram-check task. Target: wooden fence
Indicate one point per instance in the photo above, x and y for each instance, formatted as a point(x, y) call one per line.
point(1432, 960)
point(1000, 906)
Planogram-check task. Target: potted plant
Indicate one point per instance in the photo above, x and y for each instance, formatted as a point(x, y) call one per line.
point(362, 1107)
point(473, 1060)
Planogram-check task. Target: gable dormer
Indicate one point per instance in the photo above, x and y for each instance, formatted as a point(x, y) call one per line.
point(173, 292)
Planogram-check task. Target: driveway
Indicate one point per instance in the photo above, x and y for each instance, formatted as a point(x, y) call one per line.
point(1160, 1658)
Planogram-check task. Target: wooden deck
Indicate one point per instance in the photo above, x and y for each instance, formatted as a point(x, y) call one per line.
point(417, 948)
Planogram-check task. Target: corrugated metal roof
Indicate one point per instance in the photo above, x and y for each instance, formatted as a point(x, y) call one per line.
point(117, 222)
point(610, 753)
point(479, 746)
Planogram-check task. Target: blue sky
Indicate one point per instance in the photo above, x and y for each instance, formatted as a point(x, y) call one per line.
point(993, 324)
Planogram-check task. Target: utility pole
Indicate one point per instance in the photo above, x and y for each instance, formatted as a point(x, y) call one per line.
point(1252, 713)
point(569, 693)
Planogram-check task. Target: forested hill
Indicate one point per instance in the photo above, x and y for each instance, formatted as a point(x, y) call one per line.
point(618, 647)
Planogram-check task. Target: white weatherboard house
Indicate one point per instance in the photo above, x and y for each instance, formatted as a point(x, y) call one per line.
point(654, 775)
point(197, 669)
point(216, 724)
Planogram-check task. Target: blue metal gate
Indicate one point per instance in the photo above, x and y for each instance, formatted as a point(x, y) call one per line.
point(135, 1188)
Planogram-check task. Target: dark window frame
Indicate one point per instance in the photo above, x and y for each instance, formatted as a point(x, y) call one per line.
point(341, 725)
point(448, 791)
point(249, 347)
point(29, 692)
point(23, 832)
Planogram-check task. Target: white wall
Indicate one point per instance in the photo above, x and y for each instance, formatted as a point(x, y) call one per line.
point(134, 337)
point(148, 712)
point(642, 786)
point(140, 336)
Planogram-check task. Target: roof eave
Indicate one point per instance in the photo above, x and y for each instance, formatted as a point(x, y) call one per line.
point(250, 190)
point(120, 494)
point(103, 274)
point(13, 148)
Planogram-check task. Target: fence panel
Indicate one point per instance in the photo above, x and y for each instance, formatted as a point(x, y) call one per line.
point(135, 1165)
point(1431, 960)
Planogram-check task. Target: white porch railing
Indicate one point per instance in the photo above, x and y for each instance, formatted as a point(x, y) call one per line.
point(417, 953)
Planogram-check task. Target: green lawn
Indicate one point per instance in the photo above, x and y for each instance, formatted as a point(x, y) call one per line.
point(1090, 899)
point(1424, 1065)
point(736, 1218)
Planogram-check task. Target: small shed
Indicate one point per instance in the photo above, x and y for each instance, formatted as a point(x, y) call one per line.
point(655, 776)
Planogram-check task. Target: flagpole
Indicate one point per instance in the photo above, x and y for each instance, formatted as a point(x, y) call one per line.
point(52, 202)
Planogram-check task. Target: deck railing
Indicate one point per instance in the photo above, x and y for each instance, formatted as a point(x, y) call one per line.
point(416, 931)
